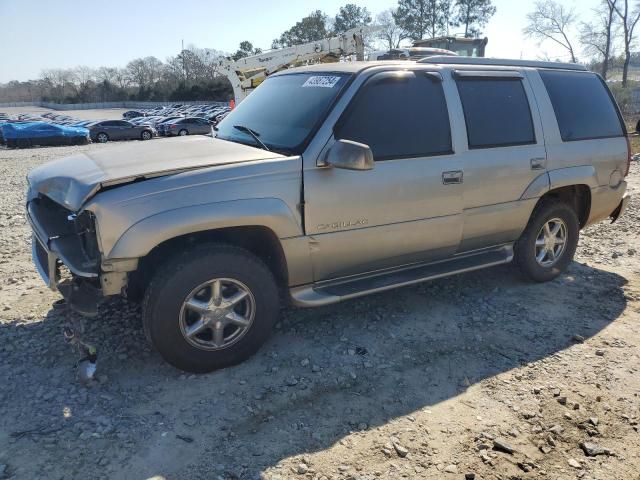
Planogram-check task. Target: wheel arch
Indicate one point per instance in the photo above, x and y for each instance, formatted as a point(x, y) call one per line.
point(578, 196)
point(257, 239)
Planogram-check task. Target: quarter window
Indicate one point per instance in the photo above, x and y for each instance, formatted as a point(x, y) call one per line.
point(583, 106)
point(496, 112)
point(399, 115)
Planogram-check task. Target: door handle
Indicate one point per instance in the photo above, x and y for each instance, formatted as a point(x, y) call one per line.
point(450, 178)
point(538, 163)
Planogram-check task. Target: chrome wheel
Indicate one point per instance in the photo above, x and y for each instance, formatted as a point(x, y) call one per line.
point(182, 133)
point(146, 135)
point(102, 137)
point(550, 242)
point(217, 314)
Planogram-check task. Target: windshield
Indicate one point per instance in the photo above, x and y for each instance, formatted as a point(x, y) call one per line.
point(284, 110)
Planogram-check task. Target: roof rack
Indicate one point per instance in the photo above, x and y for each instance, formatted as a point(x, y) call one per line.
point(500, 62)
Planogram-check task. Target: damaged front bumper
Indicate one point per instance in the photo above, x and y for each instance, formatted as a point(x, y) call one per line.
point(52, 253)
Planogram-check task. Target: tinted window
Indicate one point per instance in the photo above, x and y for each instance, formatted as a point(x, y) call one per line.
point(399, 114)
point(584, 109)
point(108, 124)
point(496, 111)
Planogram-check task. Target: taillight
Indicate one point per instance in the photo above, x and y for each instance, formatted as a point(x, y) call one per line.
point(628, 157)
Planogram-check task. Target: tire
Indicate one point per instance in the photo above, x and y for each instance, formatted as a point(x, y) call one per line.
point(146, 135)
point(183, 132)
point(531, 246)
point(187, 277)
point(102, 137)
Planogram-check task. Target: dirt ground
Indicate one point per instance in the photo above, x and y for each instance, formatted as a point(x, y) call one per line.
point(479, 376)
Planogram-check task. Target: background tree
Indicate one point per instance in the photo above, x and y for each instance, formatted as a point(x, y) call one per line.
point(422, 18)
point(388, 30)
point(473, 15)
point(310, 29)
point(597, 36)
point(552, 21)
point(246, 50)
point(351, 16)
point(629, 21)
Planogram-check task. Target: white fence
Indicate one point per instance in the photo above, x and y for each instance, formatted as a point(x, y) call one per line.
point(92, 106)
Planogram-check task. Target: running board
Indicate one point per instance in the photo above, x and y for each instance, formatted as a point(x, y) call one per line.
point(333, 291)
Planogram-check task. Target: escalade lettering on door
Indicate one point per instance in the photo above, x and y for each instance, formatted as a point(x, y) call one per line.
point(343, 224)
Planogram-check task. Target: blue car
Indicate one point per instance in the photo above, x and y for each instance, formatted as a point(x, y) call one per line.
point(29, 134)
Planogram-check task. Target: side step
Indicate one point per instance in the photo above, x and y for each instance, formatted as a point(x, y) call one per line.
point(324, 293)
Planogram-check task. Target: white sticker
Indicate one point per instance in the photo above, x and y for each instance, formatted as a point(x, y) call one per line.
point(323, 81)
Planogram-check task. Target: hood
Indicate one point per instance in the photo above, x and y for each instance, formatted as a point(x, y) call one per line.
point(71, 181)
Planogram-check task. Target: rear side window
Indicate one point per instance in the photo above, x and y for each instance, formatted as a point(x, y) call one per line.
point(583, 106)
point(399, 115)
point(496, 112)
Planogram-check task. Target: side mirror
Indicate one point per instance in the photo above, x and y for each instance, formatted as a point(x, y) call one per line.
point(349, 155)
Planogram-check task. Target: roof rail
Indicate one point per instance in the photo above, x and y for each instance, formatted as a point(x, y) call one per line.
point(500, 62)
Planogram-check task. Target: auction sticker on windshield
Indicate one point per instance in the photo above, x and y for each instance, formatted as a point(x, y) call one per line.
point(324, 81)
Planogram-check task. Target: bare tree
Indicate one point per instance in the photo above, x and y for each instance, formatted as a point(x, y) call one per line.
point(388, 30)
point(552, 21)
point(121, 78)
point(597, 36)
point(629, 21)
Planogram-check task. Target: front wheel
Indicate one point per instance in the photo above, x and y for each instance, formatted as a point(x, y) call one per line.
point(102, 138)
point(146, 135)
point(547, 246)
point(210, 308)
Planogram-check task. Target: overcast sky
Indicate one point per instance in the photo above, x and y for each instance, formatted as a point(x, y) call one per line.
point(41, 34)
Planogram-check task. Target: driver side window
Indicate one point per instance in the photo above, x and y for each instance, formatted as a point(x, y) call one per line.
point(399, 115)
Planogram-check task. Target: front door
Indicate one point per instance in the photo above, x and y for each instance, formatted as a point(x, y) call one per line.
point(406, 209)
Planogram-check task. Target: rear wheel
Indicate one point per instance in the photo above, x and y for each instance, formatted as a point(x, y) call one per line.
point(548, 244)
point(183, 132)
point(210, 308)
point(102, 137)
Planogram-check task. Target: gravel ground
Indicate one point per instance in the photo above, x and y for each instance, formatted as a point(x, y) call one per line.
point(476, 376)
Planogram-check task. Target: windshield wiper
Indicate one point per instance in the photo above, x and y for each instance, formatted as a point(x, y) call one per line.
point(253, 133)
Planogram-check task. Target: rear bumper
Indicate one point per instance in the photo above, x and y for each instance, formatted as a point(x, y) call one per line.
point(605, 201)
point(620, 209)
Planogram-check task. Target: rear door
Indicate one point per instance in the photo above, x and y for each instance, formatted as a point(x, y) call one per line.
point(503, 155)
point(406, 209)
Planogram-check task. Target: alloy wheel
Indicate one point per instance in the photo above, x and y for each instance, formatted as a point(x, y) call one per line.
point(217, 313)
point(550, 242)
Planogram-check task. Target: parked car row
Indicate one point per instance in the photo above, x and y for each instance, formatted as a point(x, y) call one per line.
point(50, 128)
point(211, 112)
